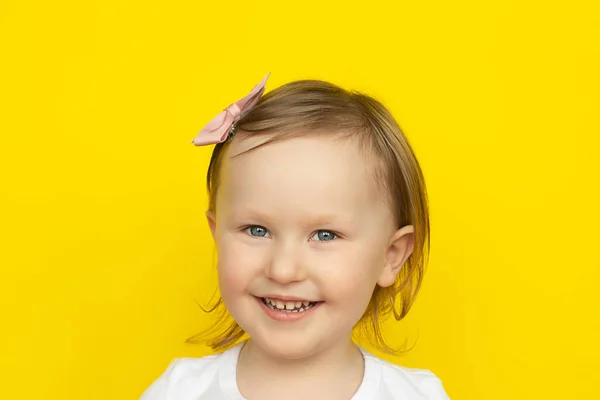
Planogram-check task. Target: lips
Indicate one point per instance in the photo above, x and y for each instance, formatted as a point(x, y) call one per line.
point(286, 311)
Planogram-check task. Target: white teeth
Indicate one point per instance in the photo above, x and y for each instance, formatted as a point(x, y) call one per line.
point(296, 306)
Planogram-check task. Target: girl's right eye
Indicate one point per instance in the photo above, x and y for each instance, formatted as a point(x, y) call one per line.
point(257, 231)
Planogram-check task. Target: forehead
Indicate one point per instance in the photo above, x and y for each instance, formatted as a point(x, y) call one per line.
point(300, 176)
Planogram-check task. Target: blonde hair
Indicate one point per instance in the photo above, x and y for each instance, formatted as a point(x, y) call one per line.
point(313, 107)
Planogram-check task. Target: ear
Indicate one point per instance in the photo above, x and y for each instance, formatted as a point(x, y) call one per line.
point(400, 247)
point(212, 222)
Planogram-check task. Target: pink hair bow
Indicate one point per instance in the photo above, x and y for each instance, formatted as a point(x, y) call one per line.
point(219, 128)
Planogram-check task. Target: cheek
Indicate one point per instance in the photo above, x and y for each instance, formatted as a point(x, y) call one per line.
point(352, 276)
point(236, 266)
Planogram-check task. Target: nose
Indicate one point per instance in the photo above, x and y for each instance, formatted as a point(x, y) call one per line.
point(286, 265)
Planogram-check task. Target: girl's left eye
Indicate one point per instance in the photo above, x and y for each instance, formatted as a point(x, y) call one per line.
point(323, 236)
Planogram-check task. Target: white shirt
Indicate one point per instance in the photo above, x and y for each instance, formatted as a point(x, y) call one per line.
point(214, 378)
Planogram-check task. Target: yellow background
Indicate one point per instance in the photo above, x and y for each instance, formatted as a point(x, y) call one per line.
point(104, 242)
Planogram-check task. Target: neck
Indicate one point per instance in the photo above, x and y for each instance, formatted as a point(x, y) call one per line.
point(341, 362)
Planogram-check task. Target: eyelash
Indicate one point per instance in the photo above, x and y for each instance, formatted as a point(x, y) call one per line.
point(248, 227)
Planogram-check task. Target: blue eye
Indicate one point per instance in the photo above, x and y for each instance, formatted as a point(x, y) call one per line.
point(258, 231)
point(324, 236)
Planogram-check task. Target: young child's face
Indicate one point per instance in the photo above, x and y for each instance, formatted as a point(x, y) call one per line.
point(300, 219)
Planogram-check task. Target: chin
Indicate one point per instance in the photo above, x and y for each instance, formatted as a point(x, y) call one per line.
point(288, 352)
point(287, 348)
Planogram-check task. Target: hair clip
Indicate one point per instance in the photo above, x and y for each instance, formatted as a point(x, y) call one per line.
point(223, 126)
point(231, 132)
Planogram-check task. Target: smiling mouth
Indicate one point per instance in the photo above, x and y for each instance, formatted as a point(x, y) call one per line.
point(288, 306)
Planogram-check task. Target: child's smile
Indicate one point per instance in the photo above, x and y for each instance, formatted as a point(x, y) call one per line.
point(287, 310)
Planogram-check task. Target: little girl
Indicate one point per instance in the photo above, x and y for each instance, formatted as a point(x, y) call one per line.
point(319, 213)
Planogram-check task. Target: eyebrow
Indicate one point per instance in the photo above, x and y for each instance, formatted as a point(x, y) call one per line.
point(249, 214)
point(322, 219)
point(325, 219)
